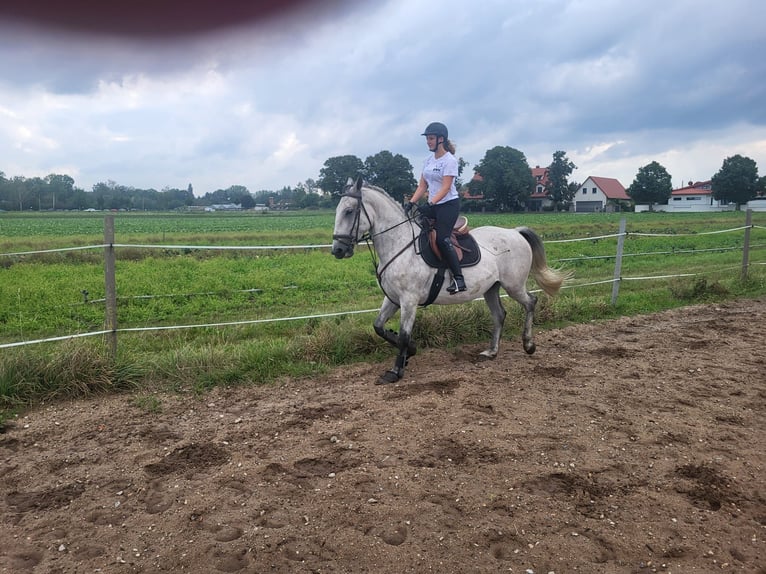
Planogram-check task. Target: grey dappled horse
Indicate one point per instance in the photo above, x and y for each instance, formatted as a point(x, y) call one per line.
point(507, 257)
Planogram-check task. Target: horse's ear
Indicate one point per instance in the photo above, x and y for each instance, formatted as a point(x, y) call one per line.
point(349, 182)
point(359, 182)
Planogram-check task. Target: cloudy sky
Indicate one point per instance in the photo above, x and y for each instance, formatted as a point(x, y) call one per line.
point(264, 103)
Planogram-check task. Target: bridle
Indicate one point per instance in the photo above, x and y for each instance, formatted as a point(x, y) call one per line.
point(352, 238)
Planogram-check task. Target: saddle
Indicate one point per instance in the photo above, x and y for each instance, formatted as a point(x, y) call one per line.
point(467, 249)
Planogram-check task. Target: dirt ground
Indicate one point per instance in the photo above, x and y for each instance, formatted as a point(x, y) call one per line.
point(633, 445)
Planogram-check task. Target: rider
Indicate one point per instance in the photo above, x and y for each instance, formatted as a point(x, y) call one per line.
point(438, 180)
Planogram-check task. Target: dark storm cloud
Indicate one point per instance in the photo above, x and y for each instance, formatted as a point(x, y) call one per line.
point(615, 84)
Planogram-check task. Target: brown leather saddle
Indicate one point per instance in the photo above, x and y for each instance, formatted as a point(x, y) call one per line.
point(467, 249)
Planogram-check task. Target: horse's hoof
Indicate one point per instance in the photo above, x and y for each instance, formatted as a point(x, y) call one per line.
point(487, 356)
point(388, 377)
point(530, 349)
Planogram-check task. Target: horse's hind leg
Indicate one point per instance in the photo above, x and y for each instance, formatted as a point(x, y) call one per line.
point(528, 303)
point(496, 309)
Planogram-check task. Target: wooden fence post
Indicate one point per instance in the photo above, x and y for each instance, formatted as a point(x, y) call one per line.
point(618, 262)
point(110, 284)
point(746, 246)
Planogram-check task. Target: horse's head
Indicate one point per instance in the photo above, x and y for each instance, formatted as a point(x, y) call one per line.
point(350, 226)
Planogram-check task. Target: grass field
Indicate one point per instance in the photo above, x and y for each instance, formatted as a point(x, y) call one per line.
point(59, 293)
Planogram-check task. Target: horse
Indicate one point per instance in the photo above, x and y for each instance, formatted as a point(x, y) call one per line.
point(367, 213)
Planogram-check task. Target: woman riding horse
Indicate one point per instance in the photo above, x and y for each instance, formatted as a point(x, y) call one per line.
point(367, 213)
point(438, 180)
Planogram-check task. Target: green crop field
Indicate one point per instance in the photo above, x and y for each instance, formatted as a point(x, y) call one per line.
point(168, 275)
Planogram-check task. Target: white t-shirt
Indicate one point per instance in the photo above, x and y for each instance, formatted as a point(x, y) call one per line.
point(434, 171)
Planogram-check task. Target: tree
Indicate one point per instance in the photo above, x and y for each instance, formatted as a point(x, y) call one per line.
point(558, 173)
point(736, 181)
point(336, 171)
point(652, 184)
point(461, 165)
point(240, 195)
point(573, 187)
point(6, 199)
point(60, 189)
point(309, 186)
point(247, 201)
point(307, 195)
point(506, 177)
point(391, 172)
point(111, 195)
point(17, 192)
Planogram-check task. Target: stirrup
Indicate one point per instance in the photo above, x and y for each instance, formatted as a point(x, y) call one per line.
point(457, 285)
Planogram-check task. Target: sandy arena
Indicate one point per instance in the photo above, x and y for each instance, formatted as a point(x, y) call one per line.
point(630, 446)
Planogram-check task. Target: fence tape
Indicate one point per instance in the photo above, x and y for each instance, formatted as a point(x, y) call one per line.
point(51, 339)
point(222, 247)
point(690, 234)
point(327, 246)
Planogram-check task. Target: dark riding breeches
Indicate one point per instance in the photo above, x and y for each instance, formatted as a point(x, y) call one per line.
point(446, 215)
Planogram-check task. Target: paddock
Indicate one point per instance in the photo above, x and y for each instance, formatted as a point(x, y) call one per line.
point(631, 445)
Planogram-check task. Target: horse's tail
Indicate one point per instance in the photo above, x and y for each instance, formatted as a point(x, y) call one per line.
point(550, 280)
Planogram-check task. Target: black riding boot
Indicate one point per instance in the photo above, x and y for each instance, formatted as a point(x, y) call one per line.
point(450, 256)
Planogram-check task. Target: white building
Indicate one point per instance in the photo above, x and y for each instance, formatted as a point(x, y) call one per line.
point(596, 193)
point(695, 197)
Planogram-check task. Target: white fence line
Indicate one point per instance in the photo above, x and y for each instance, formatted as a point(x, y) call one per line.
point(222, 247)
point(327, 246)
point(170, 248)
point(345, 313)
point(52, 339)
point(689, 234)
point(304, 317)
point(59, 250)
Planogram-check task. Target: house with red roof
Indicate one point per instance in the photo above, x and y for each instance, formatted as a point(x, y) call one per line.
point(539, 198)
point(536, 201)
point(599, 194)
point(697, 196)
point(596, 194)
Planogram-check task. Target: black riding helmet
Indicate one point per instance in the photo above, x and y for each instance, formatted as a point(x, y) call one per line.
point(437, 129)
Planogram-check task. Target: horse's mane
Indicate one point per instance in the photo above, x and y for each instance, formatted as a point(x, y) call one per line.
point(382, 192)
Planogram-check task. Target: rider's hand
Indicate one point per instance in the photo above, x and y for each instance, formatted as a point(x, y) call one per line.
point(408, 207)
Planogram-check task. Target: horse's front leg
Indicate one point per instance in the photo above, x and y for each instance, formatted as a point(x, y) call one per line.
point(387, 311)
point(403, 342)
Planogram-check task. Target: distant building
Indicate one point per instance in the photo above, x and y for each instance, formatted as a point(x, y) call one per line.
point(695, 197)
point(599, 194)
point(596, 194)
point(539, 198)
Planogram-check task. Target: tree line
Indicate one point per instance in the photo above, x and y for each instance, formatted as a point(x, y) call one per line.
point(736, 182)
point(505, 183)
